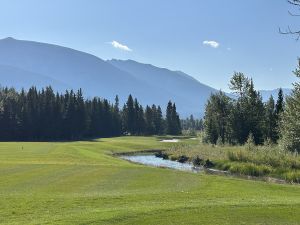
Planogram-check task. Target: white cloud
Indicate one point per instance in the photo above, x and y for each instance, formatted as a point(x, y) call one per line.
point(212, 44)
point(120, 46)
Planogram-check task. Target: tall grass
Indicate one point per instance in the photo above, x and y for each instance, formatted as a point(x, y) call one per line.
point(257, 161)
point(270, 156)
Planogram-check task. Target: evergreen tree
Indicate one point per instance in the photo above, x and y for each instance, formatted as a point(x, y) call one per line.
point(270, 121)
point(216, 117)
point(149, 119)
point(44, 115)
point(280, 102)
point(129, 117)
point(175, 121)
point(169, 122)
point(247, 114)
point(173, 125)
point(290, 126)
point(140, 123)
point(158, 120)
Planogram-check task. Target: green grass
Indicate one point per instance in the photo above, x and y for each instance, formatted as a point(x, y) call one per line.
point(83, 183)
point(259, 161)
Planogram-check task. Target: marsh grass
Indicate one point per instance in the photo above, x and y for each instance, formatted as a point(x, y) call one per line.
point(256, 161)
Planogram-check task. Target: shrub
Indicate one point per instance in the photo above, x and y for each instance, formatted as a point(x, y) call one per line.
point(250, 144)
point(183, 159)
point(197, 161)
point(209, 164)
point(220, 141)
point(161, 155)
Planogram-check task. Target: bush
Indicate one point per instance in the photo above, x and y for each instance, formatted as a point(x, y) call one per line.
point(161, 155)
point(197, 161)
point(209, 164)
point(183, 159)
point(219, 142)
point(250, 144)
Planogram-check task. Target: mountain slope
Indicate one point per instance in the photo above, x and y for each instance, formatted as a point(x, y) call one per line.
point(74, 68)
point(266, 94)
point(27, 63)
point(186, 91)
point(18, 78)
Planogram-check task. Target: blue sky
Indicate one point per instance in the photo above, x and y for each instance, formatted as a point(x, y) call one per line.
point(168, 33)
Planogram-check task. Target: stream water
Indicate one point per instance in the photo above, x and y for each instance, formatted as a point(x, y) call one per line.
point(152, 160)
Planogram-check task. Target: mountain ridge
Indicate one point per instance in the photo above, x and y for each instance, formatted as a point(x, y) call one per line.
point(26, 63)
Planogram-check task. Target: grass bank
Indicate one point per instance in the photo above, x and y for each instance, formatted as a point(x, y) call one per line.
point(256, 161)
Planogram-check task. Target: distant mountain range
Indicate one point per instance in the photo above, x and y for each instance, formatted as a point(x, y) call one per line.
point(266, 94)
point(27, 63)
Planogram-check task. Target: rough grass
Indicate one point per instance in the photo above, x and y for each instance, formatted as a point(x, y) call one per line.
point(83, 183)
point(257, 161)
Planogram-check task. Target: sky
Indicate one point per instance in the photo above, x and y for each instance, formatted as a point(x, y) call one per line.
point(206, 39)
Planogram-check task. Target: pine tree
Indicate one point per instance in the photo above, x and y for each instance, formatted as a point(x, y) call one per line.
point(129, 116)
point(280, 102)
point(169, 122)
point(149, 120)
point(43, 115)
point(175, 121)
point(270, 121)
point(158, 120)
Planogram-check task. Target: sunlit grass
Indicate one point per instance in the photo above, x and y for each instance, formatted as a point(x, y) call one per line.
point(84, 183)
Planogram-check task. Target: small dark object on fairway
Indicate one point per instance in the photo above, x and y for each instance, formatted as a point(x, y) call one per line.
point(183, 159)
point(162, 155)
point(209, 164)
point(197, 161)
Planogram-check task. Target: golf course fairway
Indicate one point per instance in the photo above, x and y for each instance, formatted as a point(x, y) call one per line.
point(83, 183)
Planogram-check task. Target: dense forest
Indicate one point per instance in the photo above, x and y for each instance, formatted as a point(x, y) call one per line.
point(246, 118)
point(45, 115)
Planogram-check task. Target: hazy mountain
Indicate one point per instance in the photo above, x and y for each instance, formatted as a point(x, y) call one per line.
point(18, 78)
point(27, 63)
point(74, 68)
point(189, 94)
point(266, 94)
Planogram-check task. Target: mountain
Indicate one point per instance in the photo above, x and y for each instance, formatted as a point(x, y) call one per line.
point(19, 78)
point(27, 63)
point(189, 94)
point(266, 94)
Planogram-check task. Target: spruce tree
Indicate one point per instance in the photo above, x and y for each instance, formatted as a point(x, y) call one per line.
point(129, 116)
point(149, 120)
point(270, 121)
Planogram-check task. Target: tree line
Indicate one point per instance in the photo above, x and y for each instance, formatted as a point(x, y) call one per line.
point(191, 123)
point(233, 119)
point(46, 115)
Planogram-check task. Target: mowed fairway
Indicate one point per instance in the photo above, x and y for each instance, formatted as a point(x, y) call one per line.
point(82, 183)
